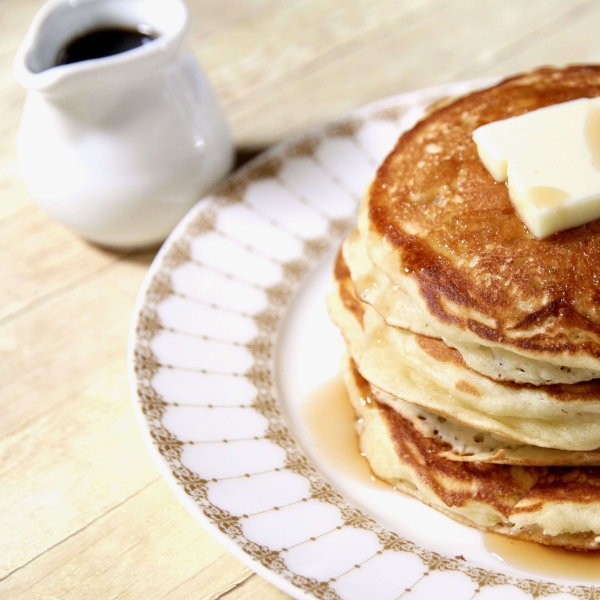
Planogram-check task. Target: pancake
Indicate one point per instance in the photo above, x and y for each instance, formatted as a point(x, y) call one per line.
point(550, 505)
point(445, 233)
point(466, 444)
point(424, 371)
point(474, 348)
point(399, 310)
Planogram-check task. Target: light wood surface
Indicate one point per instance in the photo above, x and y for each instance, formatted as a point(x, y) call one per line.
point(83, 510)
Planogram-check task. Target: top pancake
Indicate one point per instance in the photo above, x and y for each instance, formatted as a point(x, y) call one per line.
point(442, 230)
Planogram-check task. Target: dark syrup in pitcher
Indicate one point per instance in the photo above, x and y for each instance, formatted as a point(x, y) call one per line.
point(100, 43)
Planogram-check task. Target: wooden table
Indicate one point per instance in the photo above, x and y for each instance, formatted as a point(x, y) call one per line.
point(83, 510)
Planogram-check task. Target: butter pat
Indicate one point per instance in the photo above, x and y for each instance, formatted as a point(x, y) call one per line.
point(551, 159)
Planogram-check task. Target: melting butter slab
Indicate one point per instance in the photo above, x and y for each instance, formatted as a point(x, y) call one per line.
point(551, 160)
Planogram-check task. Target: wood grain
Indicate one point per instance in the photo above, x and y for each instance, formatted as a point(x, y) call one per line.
point(83, 510)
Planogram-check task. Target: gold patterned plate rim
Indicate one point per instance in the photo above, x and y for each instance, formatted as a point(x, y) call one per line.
point(203, 323)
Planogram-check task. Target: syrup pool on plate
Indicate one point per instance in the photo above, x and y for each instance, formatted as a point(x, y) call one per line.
point(549, 561)
point(330, 419)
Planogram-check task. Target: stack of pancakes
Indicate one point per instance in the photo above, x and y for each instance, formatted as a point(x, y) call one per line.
point(474, 348)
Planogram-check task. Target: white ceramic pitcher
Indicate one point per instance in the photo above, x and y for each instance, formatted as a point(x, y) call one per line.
point(118, 148)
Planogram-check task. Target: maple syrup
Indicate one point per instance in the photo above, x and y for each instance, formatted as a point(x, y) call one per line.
point(548, 561)
point(104, 42)
point(330, 418)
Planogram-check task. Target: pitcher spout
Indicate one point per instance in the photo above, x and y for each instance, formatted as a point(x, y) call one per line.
point(37, 66)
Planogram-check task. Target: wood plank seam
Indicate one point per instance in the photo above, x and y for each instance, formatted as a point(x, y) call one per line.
point(41, 300)
point(81, 529)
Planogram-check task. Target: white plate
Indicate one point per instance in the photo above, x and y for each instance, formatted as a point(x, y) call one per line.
point(231, 336)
